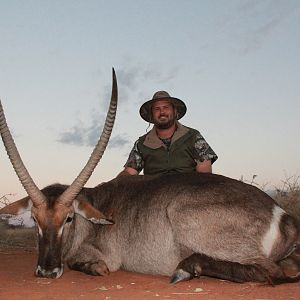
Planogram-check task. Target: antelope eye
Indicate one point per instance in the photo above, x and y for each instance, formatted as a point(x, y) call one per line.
point(69, 219)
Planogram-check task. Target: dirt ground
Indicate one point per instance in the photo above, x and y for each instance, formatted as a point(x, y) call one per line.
point(18, 259)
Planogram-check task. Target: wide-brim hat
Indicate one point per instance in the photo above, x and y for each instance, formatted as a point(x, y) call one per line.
point(146, 108)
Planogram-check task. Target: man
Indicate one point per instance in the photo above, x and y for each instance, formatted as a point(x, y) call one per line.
point(169, 147)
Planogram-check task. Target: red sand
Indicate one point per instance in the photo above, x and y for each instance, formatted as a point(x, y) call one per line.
point(18, 282)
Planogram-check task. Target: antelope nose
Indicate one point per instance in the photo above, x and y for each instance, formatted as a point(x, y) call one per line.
point(55, 273)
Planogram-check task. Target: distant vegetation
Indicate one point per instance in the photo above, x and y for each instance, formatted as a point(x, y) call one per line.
point(15, 236)
point(287, 195)
point(4, 200)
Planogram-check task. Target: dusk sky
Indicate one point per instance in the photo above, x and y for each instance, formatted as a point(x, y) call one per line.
point(234, 63)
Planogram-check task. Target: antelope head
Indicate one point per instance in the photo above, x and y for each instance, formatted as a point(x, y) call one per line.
point(53, 208)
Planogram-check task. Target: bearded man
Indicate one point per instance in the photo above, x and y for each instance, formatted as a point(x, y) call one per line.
point(169, 147)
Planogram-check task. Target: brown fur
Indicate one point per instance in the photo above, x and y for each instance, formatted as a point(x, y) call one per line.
point(161, 221)
point(156, 217)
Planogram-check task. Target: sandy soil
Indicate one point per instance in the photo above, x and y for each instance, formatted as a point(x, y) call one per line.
point(18, 259)
point(18, 282)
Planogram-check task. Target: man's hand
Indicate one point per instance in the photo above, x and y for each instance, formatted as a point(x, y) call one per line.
point(128, 171)
point(204, 167)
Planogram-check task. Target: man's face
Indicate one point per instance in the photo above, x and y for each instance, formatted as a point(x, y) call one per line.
point(163, 114)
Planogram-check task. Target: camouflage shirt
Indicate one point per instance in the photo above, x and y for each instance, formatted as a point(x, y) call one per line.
point(203, 151)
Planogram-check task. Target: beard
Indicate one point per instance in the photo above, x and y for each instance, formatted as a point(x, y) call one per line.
point(166, 124)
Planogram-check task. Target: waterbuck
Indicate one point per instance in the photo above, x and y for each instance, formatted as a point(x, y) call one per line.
point(182, 226)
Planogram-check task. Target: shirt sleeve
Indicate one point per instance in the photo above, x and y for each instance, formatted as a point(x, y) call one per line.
point(203, 150)
point(135, 159)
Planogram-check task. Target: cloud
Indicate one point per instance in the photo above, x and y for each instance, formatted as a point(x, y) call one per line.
point(81, 135)
point(269, 15)
point(89, 136)
point(133, 78)
point(131, 82)
point(251, 23)
point(119, 142)
point(74, 136)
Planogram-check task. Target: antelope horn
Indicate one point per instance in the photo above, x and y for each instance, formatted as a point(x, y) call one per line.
point(32, 190)
point(69, 195)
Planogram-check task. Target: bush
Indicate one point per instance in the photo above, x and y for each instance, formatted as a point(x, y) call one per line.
point(288, 196)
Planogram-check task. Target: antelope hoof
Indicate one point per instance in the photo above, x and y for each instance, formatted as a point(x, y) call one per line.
point(100, 268)
point(180, 275)
point(92, 268)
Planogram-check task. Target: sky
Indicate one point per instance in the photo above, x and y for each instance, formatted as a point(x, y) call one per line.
point(234, 63)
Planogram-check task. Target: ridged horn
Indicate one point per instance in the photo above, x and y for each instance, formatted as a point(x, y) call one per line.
point(32, 190)
point(69, 195)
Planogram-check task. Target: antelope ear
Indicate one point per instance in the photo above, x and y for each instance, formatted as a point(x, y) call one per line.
point(17, 208)
point(89, 212)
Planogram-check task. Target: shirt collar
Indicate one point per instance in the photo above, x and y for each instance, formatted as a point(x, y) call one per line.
point(153, 141)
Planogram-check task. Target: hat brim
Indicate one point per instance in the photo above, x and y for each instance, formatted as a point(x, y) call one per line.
point(146, 113)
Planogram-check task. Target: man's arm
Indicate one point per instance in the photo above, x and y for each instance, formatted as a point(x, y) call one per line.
point(134, 163)
point(128, 171)
point(204, 167)
point(205, 156)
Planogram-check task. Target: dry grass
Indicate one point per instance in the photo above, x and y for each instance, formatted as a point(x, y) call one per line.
point(288, 196)
point(17, 237)
point(4, 200)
